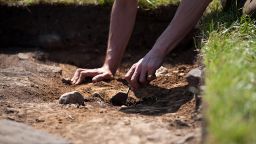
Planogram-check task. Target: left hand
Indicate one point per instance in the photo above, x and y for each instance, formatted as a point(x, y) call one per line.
point(144, 70)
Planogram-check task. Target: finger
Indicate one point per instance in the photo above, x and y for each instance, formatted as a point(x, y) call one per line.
point(128, 75)
point(135, 78)
point(143, 75)
point(76, 75)
point(101, 77)
point(84, 74)
point(151, 74)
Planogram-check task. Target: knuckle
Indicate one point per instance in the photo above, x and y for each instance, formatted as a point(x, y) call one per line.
point(79, 69)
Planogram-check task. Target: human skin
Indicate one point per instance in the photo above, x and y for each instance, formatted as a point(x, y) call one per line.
point(121, 25)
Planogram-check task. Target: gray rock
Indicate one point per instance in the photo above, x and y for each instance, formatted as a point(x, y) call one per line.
point(194, 77)
point(72, 98)
point(17, 133)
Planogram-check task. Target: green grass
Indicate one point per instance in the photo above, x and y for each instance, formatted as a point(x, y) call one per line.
point(230, 94)
point(148, 4)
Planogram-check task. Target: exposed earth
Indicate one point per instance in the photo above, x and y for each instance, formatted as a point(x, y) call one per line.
point(33, 79)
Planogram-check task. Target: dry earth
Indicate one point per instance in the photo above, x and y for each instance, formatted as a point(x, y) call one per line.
point(163, 112)
point(32, 79)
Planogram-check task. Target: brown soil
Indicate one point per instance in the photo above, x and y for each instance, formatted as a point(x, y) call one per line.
point(162, 112)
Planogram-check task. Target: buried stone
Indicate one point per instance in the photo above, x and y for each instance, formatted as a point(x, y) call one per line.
point(119, 99)
point(72, 98)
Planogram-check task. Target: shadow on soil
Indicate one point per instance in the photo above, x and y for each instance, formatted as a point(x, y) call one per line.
point(157, 101)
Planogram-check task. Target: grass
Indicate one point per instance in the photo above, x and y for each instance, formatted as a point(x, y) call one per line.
point(230, 94)
point(148, 4)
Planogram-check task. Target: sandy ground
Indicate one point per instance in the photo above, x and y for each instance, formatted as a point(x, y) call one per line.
point(163, 112)
point(64, 37)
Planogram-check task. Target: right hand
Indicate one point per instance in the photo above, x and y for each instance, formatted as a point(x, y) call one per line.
point(98, 74)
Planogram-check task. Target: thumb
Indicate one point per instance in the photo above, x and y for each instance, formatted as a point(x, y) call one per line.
point(101, 77)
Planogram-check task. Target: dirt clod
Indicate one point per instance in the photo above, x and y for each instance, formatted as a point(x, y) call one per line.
point(119, 99)
point(66, 81)
point(72, 98)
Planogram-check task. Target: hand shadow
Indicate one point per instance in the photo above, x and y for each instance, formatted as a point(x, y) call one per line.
point(158, 101)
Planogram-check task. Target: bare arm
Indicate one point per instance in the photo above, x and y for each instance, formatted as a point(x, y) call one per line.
point(121, 25)
point(187, 15)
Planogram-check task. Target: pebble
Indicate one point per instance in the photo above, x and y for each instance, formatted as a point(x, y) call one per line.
point(194, 77)
point(175, 71)
point(40, 120)
point(10, 110)
point(72, 98)
point(181, 74)
point(23, 56)
point(162, 71)
point(119, 99)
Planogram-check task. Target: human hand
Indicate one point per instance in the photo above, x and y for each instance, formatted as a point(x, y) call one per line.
point(98, 74)
point(143, 71)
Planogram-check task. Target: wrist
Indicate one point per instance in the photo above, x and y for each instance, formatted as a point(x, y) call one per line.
point(160, 51)
point(109, 68)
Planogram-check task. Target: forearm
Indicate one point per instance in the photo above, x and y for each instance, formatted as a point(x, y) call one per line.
point(186, 17)
point(121, 25)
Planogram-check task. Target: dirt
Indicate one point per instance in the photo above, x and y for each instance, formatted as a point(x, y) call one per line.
point(162, 112)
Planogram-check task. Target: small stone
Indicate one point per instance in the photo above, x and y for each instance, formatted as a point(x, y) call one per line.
point(10, 110)
point(123, 106)
point(40, 120)
point(119, 99)
point(72, 98)
point(23, 56)
point(181, 74)
point(194, 77)
point(162, 71)
point(175, 71)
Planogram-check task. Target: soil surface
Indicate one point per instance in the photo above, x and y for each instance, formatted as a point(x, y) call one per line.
point(33, 79)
